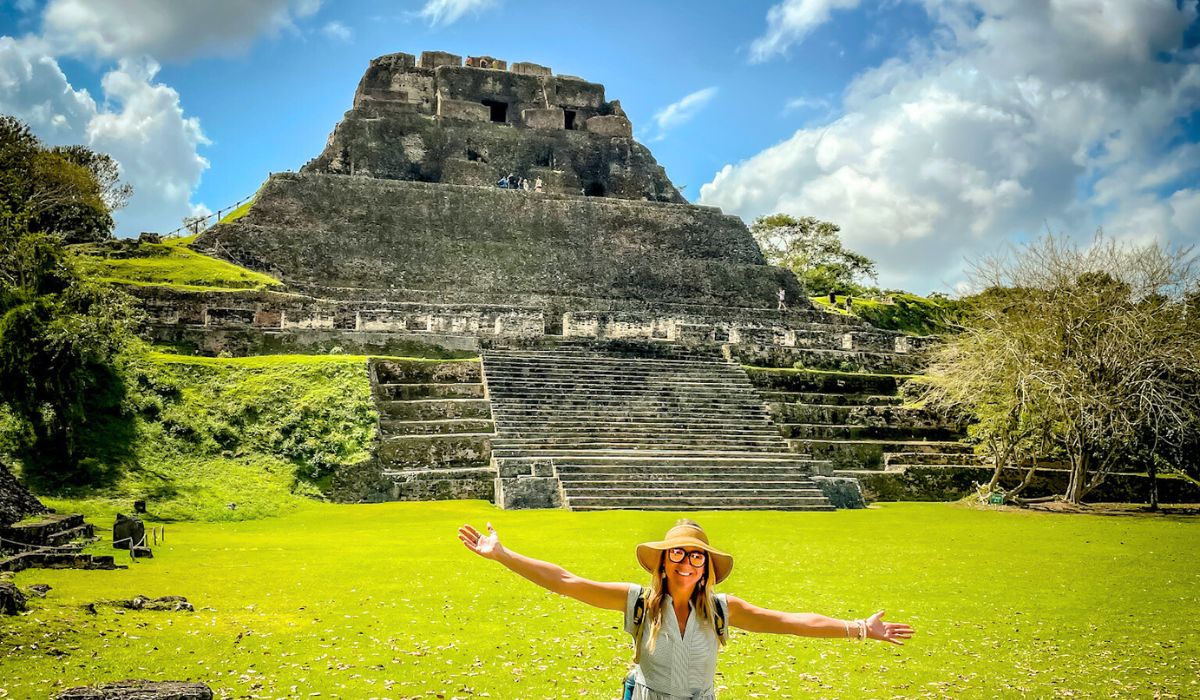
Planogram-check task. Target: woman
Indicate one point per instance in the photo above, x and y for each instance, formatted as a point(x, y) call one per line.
point(678, 622)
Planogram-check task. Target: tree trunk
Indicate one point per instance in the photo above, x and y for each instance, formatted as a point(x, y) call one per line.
point(1078, 475)
point(1153, 484)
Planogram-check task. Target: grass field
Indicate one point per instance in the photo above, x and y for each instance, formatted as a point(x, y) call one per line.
point(370, 601)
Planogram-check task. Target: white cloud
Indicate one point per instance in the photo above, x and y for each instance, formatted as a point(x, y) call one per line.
point(797, 104)
point(790, 22)
point(140, 123)
point(337, 31)
point(1014, 117)
point(681, 112)
point(440, 13)
point(166, 30)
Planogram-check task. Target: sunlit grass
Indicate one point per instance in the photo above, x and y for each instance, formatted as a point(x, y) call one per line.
point(362, 601)
point(171, 264)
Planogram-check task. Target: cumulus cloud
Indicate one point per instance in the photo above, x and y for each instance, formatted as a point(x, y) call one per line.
point(139, 122)
point(117, 29)
point(440, 13)
point(790, 22)
point(681, 112)
point(337, 31)
point(1014, 117)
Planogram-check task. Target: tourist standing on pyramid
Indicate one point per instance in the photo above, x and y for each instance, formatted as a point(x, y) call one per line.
point(677, 622)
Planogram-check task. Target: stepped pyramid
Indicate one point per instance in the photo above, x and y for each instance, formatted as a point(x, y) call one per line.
point(611, 317)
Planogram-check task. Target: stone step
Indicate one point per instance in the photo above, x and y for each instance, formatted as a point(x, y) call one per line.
point(794, 487)
point(542, 358)
point(897, 416)
point(739, 475)
point(790, 380)
point(508, 407)
point(674, 425)
point(648, 437)
point(675, 459)
point(580, 392)
point(434, 409)
point(809, 398)
point(395, 392)
point(435, 451)
point(577, 492)
point(436, 427)
point(571, 469)
point(648, 447)
point(817, 431)
point(830, 360)
point(425, 371)
point(926, 459)
point(549, 375)
point(714, 502)
point(530, 430)
point(869, 453)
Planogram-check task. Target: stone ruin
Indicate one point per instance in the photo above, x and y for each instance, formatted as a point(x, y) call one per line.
point(612, 317)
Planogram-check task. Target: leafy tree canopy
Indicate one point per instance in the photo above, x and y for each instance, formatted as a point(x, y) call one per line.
point(813, 250)
point(69, 192)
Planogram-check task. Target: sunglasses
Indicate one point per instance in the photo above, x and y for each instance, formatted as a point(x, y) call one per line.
point(697, 558)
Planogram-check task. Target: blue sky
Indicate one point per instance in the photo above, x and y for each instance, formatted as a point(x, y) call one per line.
point(933, 131)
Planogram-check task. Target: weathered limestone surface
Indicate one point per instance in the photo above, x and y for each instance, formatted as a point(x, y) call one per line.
point(410, 118)
point(842, 491)
point(327, 232)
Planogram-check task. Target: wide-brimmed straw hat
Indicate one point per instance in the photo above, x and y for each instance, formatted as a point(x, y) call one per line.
point(685, 537)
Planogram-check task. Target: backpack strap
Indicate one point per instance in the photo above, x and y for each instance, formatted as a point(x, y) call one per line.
point(639, 620)
point(720, 617)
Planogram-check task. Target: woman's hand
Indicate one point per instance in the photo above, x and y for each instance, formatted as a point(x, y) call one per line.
point(487, 546)
point(894, 632)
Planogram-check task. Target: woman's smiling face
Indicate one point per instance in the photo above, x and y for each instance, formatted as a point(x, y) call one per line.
point(684, 575)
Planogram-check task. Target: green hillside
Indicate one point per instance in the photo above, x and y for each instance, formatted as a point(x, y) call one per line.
point(170, 263)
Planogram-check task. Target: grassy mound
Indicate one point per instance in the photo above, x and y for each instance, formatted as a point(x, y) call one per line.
point(907, 313)
point(170, 263)
point(244, 438)
point(373, 601)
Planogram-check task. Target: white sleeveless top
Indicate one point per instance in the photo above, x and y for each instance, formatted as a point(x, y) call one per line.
point(681, 666)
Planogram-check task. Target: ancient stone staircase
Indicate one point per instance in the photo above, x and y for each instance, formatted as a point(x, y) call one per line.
point(435, 429)
point(629, 428)
point(857, 421)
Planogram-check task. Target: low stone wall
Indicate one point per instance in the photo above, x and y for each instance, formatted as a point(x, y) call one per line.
point(935, 483)
point(844, 359)
point(766, 379)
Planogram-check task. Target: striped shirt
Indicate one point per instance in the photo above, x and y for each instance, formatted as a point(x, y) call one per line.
point(681, 666)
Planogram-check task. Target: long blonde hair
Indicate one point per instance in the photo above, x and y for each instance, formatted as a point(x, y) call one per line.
point(702, 595)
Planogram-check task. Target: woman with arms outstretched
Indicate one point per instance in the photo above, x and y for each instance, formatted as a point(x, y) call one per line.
point(677, 622)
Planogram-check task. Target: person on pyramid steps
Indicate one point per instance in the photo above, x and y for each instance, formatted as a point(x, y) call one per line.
point(677, 622)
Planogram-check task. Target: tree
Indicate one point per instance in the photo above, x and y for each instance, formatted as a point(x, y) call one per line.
point(61, 336)
point(68, 192)
point(813, 250)
point(1087, 352)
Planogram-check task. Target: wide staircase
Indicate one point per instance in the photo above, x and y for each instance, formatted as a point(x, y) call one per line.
point(655, 427)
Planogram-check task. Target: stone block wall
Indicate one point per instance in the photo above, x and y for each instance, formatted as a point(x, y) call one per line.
point(485, 241)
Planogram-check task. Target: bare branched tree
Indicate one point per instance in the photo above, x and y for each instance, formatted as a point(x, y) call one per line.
point(1084, 351)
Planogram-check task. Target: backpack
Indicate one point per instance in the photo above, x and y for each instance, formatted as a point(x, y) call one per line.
point(639, 620)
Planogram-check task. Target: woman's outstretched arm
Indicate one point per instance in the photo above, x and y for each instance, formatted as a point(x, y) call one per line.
point(752, 618)
point(552, 577)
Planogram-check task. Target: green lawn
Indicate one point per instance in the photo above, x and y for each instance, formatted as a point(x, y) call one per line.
point(362, 601)
point(170, 263)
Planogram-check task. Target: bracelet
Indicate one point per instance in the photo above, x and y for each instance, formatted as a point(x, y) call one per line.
point(862, 630)
point(847, 624)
